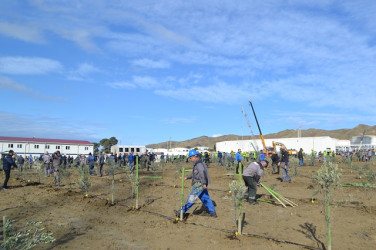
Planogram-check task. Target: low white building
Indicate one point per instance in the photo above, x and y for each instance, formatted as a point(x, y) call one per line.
point(177, 151)
point(321, 143)
point(366, 142)
point(37, 146)
point(126, 149)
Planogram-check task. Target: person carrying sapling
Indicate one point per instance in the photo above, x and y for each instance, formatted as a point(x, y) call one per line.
point(251, 176)
point(200, 182)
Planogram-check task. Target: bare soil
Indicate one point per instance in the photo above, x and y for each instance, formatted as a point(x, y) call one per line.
point(80, 222)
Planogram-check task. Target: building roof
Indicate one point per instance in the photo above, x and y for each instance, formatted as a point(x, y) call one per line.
point(43, 140)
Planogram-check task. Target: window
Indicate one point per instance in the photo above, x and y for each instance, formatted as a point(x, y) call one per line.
point(10, 145)
point(86, 148)
point(57, 147)
point(126, 150)
point(47, 146)
point(19, 145)
point(36, 146)
point(67, 147)
point(137, 149)
point(120, 149)
point(132, 149)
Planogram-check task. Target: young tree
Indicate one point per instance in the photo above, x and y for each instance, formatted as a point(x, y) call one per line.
point(328, 178)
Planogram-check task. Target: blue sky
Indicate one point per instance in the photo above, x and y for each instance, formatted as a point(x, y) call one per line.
point(147, 71)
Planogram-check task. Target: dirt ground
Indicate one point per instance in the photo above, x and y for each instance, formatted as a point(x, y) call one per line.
point(79, 222)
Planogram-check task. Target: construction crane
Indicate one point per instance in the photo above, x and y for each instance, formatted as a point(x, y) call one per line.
point(261, 136)
point(253, 143)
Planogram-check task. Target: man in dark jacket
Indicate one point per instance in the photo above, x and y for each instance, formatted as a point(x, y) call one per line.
point(275, 161)
point(200, 182)
point(8, 162)
point(251, 176)
point(285, 165)
point(301, 157)
point(207, 159)
point(101, 163)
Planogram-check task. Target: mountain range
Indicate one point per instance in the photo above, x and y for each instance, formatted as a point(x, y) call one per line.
point(206, 141)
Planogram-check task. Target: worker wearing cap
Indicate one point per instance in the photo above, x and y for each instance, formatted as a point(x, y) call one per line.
point(313, 156)
point(252, 176)
point(8, 162)
point(200, 182)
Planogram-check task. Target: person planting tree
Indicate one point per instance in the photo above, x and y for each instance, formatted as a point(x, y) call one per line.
point(200, 182)
point(285, 165)
point(252, 176)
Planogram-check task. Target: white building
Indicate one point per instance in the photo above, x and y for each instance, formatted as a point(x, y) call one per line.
point(38, 146)
point(366, 142)
point(306, 143)
point(126, 149)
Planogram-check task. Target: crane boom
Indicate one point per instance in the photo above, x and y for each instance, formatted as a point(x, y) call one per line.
point(261, 136)
point(361, 140)
point(253, 143)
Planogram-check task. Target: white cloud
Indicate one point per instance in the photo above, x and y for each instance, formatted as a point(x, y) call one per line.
point(148, 63)
point(28, 65)
point(216, 93)
point(22, 32)
point(217, 135)
point(121, 85)
point(297, 50)
point(313, 119)
point(177, 120)
point(144, 82)
point(26, 125)
point(83, 72)
point(84, 38)
point(7, 83)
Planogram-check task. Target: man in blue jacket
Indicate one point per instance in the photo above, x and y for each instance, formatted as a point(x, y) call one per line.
point(91, 160)
point(130, 159)
point(238, 159)
point(220, 156)
point(261, 156)
point(200, 182)
point(8, 162)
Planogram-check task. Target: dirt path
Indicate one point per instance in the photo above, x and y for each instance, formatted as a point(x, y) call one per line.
point(80, 222)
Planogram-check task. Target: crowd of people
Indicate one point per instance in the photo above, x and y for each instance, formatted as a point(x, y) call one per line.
point(250, 165)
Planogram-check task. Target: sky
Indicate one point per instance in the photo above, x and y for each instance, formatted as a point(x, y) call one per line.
point(152, 71)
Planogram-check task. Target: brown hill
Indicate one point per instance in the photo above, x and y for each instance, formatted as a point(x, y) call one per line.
point(205, 141)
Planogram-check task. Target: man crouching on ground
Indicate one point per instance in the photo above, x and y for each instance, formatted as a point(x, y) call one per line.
point(200, 182)
point(251, 176)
